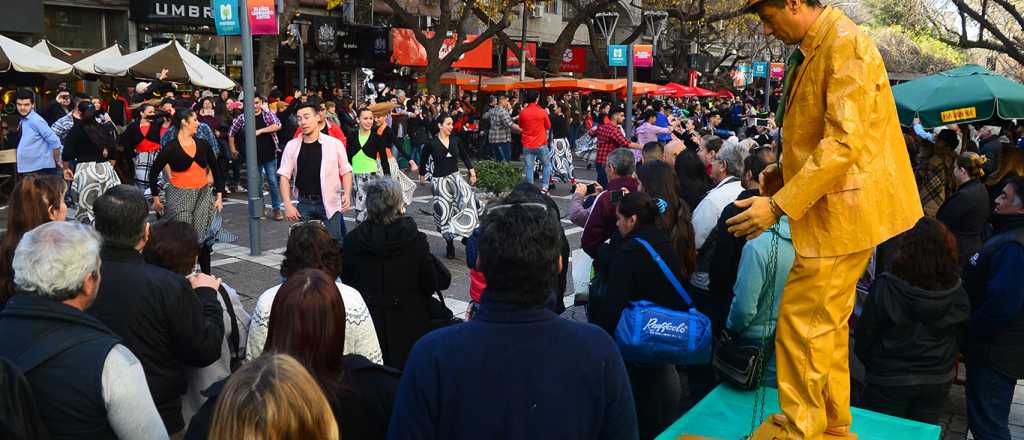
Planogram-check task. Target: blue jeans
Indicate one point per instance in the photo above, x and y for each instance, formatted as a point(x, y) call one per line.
point(989, 397)
point(542, 153)
point(269, 168)
point(502, 151)
point(313, 209)
point(602, 177)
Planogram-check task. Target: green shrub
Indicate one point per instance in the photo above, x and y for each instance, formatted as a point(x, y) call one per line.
point(497, 177)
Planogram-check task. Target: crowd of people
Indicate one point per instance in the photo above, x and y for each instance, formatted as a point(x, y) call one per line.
point(116, 329)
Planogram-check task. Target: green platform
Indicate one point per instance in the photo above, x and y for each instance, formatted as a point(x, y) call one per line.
point(726, 413)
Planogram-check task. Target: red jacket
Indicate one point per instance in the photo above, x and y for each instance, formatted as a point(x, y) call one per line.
point(333, 131)
point(535, 124)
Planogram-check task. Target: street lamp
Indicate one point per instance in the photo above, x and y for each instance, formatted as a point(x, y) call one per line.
point(295, 32)
point(655, 22)
point(605, 22)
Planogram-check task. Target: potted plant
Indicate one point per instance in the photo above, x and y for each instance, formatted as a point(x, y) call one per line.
point(496, 177)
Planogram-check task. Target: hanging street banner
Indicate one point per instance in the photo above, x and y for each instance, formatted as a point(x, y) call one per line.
point(407, 51)
point(778, 70)
point(225, 17)
point(760, 69)
point(575, 59)
point(512, 57)
point(643, 55)
point(262, 17)
point(617, 55)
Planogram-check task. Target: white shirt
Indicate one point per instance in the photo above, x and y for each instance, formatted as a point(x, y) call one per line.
point(705, 217)
point(130, 408)
point(360, 334)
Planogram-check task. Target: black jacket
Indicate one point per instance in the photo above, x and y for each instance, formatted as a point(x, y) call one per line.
point(965, 213)
point(362, 408)
point(61, 351)
point(910, 336)
point(634, 276)
point(725, 263)
point(392, 267)
point(166, 324)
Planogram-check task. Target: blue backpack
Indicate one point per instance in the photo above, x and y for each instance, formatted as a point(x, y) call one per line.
point(650, 334)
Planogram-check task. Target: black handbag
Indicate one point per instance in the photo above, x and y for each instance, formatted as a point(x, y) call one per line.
point(440, 315)
point(738, 364)
point(743, 365)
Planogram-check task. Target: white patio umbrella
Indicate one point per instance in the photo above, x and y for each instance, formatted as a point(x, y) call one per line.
point(86, 66)
point(21, 58)
point(47, 47)
point(183, 66)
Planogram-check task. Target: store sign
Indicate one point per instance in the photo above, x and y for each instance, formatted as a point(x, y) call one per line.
point(760, 69)
point(185, 12)
point(512, 57)
point(325, 33)
point(407, 51)
point(778, 70)
point(617, 55)
point(575, 60)
point(262, 17)
point(226, 18)
point(643, 55)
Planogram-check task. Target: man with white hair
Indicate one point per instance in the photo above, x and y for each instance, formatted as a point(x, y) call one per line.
point(87, 384)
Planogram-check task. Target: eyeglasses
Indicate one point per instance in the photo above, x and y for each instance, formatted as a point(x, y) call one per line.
point(505, 207)
point(306, 223)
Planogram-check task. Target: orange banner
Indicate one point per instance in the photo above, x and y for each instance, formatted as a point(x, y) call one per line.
point(406, 51)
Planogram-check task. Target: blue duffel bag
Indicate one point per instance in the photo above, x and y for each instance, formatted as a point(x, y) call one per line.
point(653, 335)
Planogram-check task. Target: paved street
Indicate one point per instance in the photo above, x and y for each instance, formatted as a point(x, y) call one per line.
point(250, 276)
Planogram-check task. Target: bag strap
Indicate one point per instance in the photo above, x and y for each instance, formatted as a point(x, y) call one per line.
point(233, 341)
point(668, 273)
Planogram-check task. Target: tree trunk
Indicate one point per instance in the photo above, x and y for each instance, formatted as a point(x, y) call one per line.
point(269, 45)
point(433, 74)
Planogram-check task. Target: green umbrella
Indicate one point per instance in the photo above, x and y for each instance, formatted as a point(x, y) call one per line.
point(962, 95)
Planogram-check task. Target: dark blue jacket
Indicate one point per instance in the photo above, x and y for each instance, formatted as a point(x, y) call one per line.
point(514, 372)
point(61, 351)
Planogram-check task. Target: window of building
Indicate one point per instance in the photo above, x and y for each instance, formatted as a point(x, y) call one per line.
point(551, 6)
point(74, 28)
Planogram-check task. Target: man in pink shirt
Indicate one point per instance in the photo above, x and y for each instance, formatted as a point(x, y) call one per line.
point(535, 124)
point(323, 176)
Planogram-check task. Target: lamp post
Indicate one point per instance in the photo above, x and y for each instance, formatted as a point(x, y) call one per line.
point(248, 89)
point(654, 22)
point(295, 31)
point(605, 22)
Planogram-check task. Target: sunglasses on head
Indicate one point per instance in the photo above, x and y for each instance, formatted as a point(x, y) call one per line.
point(505, 207)
point(306, 223)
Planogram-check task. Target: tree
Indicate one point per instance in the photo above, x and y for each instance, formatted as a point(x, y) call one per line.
point(905, 51)
point(268, 48)
point(993, 25)
point(453, 19)
point(717, 29)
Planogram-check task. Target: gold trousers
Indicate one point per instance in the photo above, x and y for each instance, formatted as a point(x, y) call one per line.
point(812, 343)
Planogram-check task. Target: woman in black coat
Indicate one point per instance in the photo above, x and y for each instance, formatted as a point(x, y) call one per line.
point(966, 211)
point(388, 260)
point(636, 276)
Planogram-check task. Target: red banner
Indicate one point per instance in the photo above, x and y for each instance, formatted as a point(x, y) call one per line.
point(575, 60)
point(778, 70)
point(643, 55)
point(406, 51)
point(262, 17)
point(512, 58)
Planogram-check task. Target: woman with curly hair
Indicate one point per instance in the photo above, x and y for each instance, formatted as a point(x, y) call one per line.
point(310, 246)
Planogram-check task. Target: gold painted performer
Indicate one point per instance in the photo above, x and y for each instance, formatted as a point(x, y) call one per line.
point(848, 187)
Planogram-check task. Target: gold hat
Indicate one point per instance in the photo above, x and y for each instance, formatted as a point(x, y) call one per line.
point(751, 4)
point(382, 108)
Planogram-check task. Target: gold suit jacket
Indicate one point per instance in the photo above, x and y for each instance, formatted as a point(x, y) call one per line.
point(848, 180)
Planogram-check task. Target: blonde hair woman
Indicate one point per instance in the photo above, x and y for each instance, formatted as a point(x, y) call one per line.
point(274, 398)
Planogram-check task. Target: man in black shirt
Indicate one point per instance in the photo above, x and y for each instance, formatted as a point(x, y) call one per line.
point(319, 167)
point(267, 126)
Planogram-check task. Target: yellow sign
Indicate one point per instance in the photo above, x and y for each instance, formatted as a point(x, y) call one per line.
point(959, 114)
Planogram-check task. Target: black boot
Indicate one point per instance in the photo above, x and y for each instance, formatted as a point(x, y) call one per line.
point(450, 250)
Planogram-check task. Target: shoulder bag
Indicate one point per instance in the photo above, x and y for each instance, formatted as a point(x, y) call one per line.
point(743, 365)
point(650, 334)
